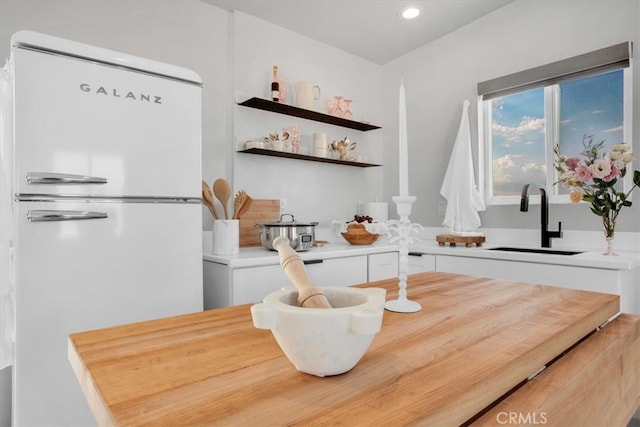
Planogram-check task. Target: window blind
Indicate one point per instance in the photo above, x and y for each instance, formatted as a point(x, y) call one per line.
point(596, 62)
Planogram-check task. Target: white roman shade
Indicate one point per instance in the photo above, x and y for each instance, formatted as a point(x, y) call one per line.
point(596, 62)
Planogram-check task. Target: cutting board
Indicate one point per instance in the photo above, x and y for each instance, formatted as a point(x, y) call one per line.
point(452, 239)
point(261, 211)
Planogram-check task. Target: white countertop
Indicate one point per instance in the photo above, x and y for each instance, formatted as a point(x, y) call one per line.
point(625, 260)
point(258, 256)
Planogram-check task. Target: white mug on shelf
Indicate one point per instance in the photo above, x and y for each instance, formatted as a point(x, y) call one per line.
point(320, 140)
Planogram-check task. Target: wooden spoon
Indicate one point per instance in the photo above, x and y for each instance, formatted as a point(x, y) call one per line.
point(207, 199)
point(308, 295)
point(222, 191)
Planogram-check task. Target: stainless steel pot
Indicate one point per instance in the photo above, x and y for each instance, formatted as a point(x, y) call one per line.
point(301, 236)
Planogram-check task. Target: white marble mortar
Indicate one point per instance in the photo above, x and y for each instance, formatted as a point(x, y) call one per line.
point(321, 341)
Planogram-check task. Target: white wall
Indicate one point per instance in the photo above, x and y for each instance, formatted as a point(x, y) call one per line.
point(441, 74)
point(313, 191)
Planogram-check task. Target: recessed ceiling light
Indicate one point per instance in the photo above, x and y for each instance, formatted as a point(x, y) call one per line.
point(410, 12)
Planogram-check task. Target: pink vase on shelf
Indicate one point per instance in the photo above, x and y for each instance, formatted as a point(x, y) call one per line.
point(338, 111)
point(294, 138)
point(347, 109)
point(283, 91)
point(331, 105)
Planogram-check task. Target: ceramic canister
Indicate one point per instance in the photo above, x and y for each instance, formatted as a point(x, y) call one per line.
point(379, 211)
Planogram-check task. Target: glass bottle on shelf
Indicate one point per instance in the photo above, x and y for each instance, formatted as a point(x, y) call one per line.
point(275, 85)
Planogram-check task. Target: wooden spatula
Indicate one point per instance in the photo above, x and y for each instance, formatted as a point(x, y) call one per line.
point(309, 296)
point(245, 206)
point(238, 202)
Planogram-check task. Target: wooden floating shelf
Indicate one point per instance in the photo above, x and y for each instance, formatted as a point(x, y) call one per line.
point(285, 154)
point(276, 107)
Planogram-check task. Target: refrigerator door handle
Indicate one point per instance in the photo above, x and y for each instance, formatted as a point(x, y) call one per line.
point(54, 215)
point(62, 178)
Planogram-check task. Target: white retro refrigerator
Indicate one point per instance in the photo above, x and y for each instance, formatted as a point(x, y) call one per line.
point(101, 214)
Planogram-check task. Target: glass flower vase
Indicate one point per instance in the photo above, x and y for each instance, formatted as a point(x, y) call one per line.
point(609, 250)
point(609, 231)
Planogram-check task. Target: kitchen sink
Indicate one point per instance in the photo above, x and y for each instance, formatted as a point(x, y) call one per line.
point(535, 250)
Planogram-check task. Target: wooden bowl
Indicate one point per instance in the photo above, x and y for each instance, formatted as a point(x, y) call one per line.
point(358, 235)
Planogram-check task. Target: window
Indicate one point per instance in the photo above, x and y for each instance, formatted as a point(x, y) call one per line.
point(522, 121)
point(517, 134)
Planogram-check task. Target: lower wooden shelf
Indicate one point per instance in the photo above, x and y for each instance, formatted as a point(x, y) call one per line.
point(288, 155)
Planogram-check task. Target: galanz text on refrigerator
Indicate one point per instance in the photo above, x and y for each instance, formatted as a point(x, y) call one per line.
point(101, 90)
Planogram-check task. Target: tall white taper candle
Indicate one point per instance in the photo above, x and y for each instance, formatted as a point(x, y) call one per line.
point(403, 155)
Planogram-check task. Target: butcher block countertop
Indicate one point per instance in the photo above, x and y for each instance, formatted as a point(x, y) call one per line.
point(464, 359)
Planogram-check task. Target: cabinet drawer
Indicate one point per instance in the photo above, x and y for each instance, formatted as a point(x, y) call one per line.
point(383, 266)
point(419, 263)
point(605, 363)
point(251, 285)
point(338, 271)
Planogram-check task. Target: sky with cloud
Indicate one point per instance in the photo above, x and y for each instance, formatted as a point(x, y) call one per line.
point(591, 106)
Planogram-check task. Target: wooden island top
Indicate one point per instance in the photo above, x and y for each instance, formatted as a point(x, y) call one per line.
point(463, 359)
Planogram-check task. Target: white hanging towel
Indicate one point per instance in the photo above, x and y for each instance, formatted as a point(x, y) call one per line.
point(459, 187)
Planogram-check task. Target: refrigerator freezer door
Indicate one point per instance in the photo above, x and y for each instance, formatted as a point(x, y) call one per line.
point(142, 261)
point(139, 133)
point(51, 44)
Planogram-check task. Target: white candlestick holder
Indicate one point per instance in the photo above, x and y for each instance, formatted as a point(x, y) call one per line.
point(403, 229)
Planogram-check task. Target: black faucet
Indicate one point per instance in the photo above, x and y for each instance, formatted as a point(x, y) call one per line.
point(544, 214)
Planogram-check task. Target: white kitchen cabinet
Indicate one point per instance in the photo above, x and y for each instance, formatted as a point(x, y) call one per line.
point(618, 282)
point(419, 262)
point(337, 271)
point(224, 286)
point(382, 266)
point(250, 285)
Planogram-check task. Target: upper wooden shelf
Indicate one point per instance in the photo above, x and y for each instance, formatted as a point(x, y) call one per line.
point(285, 154)
point(276, 107)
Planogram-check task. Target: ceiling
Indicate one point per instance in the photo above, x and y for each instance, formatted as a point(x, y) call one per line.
point(370, 29)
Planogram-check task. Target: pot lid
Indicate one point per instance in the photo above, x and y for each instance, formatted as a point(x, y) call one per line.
point(292, 222)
